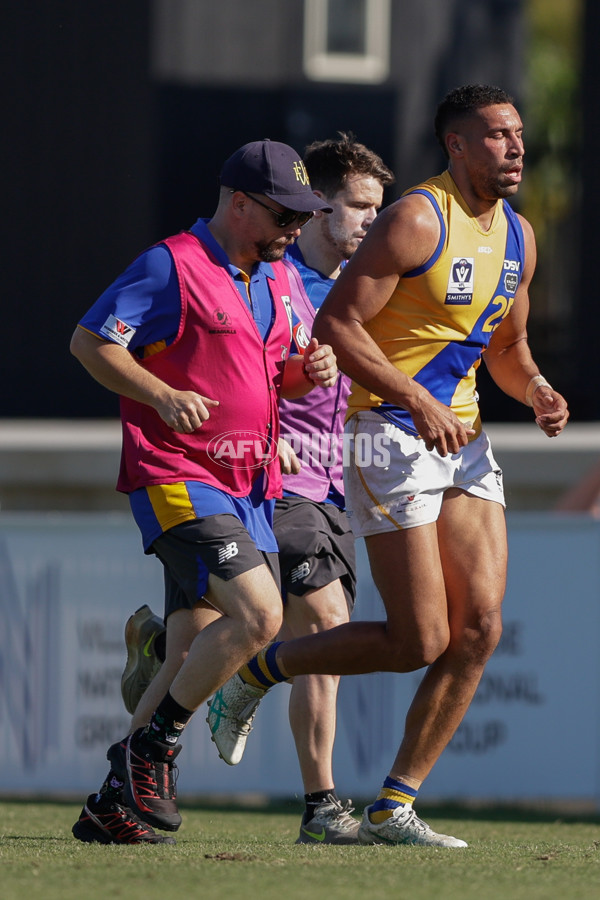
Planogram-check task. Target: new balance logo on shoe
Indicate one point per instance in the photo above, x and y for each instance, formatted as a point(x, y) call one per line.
point(228, 552)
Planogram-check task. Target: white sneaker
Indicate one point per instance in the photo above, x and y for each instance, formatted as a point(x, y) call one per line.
point(230, 715)
point(403, 827)
point(331, 824)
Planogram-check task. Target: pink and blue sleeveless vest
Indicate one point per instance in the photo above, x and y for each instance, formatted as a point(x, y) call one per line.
point(218, 353)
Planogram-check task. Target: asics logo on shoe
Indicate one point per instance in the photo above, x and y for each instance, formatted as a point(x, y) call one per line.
point(218, 708)
point(300, 572)
point(316, 836)
point(228, 552)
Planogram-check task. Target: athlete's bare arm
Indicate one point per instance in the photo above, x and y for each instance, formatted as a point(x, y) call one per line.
point(508, 356)
point(401, 238)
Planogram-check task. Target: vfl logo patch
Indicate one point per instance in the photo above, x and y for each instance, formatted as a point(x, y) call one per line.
point(117, 331)
point(300, 572)
point(228, 552)
point(460, 281)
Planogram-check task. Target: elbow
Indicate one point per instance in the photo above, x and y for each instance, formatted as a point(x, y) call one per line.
point(83, 344)
point(321, 328)
point(74, 345)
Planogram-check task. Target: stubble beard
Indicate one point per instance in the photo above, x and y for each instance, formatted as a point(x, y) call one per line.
point(273, 251)
point(494, 189)
point(343, 244)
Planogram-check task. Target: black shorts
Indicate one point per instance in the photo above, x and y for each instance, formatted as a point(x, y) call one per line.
point(316, 547)
point(219, 545)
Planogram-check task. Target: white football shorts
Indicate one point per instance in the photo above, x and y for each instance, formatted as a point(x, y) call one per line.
point(392, 482)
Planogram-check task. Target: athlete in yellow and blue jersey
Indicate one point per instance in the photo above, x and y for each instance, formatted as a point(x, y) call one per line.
point(439, 282)
point(442, 314)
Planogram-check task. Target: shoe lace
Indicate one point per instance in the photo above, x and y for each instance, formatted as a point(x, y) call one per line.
point(334, 811)
point(172, 776)
point(409, 818)
point(163, 774)
point(244, 718)
point(128, 817)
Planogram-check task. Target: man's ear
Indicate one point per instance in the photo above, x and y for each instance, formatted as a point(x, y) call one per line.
point(454, 144)
point(319, 212)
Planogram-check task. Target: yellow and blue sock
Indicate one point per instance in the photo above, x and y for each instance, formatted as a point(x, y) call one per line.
point(262, 671)
point(392, 795)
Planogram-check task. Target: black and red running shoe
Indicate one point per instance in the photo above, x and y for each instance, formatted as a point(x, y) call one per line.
point(103, 822)
point(148, 772)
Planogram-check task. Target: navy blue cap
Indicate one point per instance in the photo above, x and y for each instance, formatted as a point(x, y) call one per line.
point(275, 170)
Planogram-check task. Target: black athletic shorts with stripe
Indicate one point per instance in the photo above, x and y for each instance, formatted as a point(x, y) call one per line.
point(316, 547)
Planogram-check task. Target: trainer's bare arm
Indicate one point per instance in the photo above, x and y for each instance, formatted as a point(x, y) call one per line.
point(508, 356)
point(116, 368)
point(316, 367)
point(401, 238)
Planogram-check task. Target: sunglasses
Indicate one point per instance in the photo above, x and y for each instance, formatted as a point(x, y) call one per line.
point(286, 217)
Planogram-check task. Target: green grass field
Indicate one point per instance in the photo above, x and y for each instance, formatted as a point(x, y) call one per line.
point(249, 854)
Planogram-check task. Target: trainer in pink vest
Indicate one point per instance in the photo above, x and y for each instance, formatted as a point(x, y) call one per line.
point(219, 353)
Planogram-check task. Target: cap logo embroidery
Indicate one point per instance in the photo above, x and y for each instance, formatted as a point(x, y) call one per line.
point(300, 172)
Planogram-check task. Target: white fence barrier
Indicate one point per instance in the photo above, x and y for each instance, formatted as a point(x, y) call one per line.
point(68, 582)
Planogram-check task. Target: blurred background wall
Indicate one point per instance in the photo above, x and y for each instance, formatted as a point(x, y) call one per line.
point(116, 119)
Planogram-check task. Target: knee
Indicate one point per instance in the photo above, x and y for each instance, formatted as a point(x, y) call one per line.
point(317, 610)
point(480, 638)
point(422, 649)
point(325, 619)
point(429, 646)
point(263, 626)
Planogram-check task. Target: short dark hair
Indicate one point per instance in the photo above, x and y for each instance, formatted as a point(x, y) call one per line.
point(463, 102)
point(329, 163)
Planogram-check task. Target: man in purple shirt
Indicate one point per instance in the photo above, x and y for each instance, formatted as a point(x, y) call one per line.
point(316, 545)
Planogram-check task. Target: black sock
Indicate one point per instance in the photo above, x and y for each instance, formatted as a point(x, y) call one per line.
point(313, 800)
point(168, 721)
point(112, 788)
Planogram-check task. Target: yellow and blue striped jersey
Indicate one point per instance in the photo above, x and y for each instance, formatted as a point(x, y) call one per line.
point(440, 318)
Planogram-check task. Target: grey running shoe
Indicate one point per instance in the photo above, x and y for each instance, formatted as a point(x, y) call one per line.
point(330, 824)
point(403, 827)
point(141, 631)
point(230, 715)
